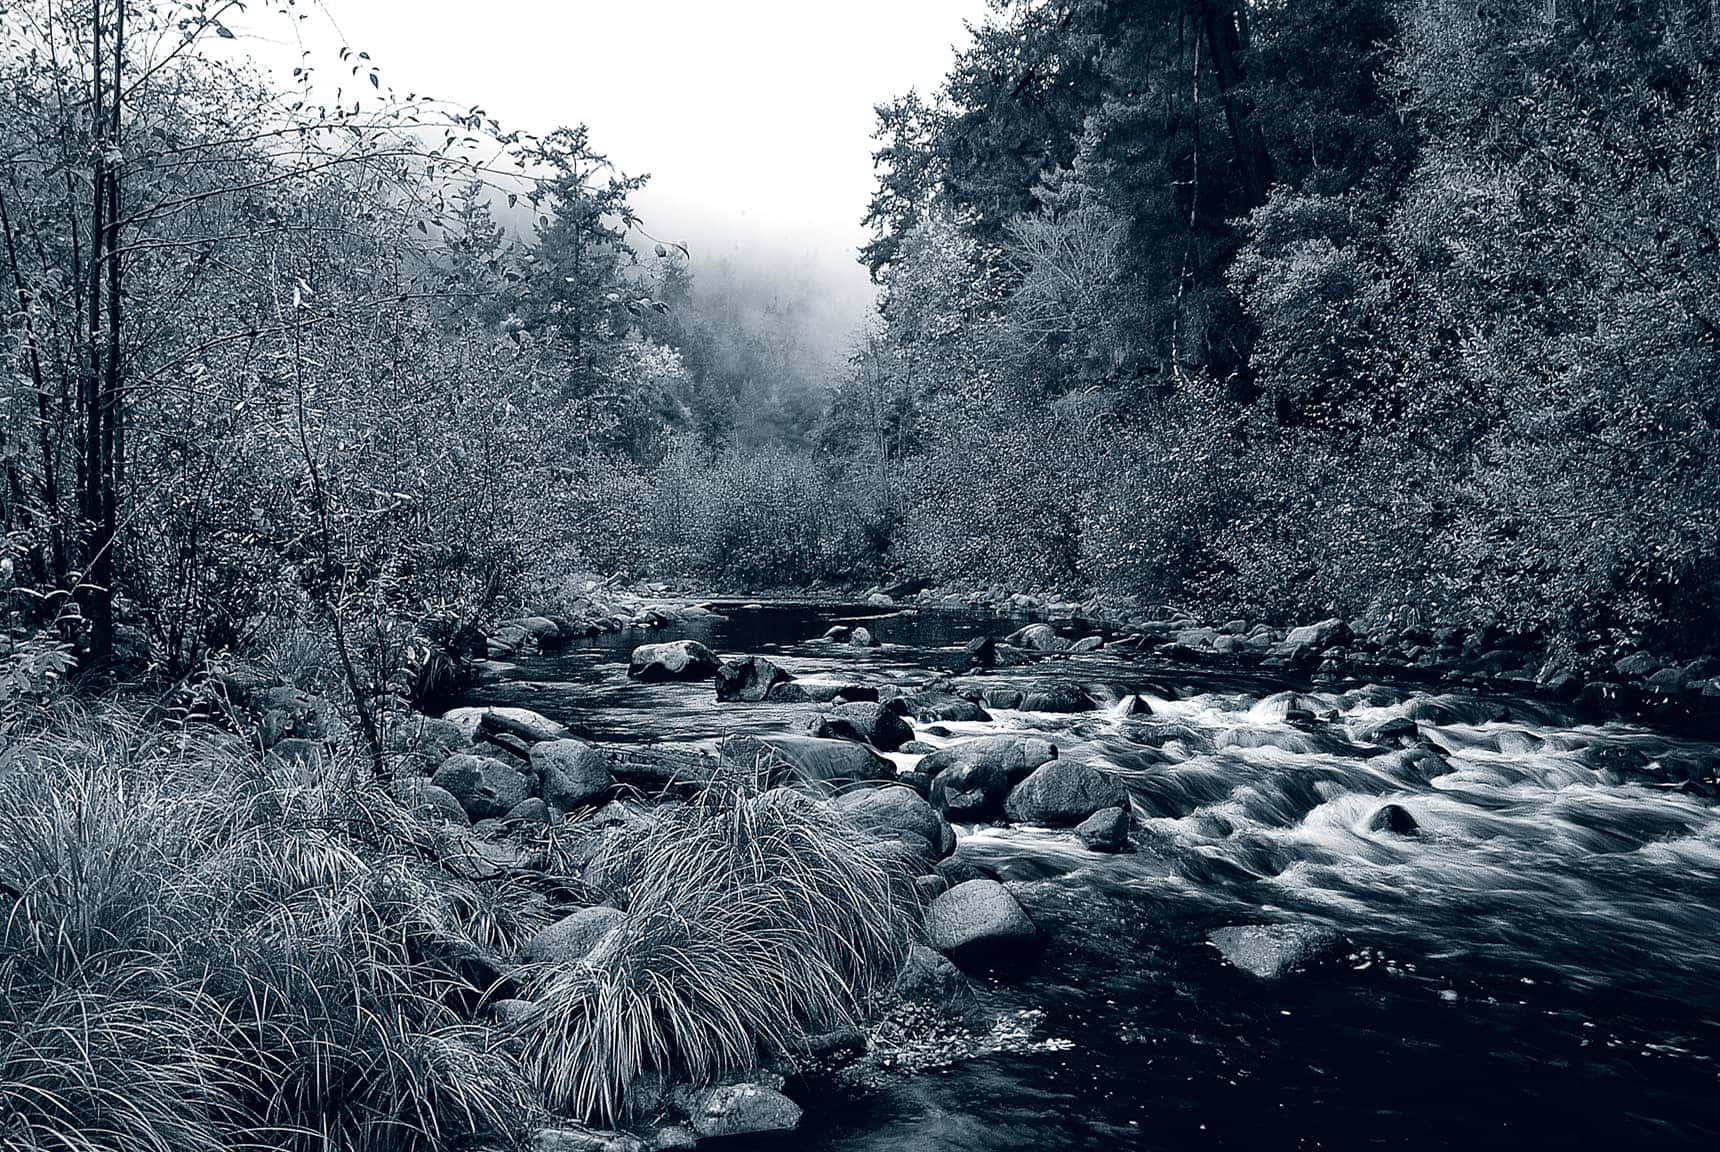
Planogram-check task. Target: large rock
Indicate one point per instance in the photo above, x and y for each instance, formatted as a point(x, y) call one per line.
point(674, 660)
point(584, 1140)
point(937, 705)
point(749, 680)
point(427, 739)
point(1063, 793)
point(895, 809)
point(873, 724)
point(484, 786)
point(423, 798)
point(523, 723)
point(737, 1109)
point(971, 778)
point(1321, 635)
point(927, 977)
point(979, 922)
point(1106, 830)
point(571, 938)
point(1270, 950)
point(807, 758)
point(572, 773)
point(1038, 637)
point(1057, 698)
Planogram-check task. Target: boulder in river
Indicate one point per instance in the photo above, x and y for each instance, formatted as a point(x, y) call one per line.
point(1063, 793)
point(979, 922)
point(862, 638)
point(1037, 638)
point(1106, 830)
point(739, 1109)
point(573, 773)
point(1393, 818)
point(1270, 950)
point(674, 660)
point(934, 705)
point(1060, 697)
point(571, 938)
point(749, 680)
point(927, 977)
point(971, 778)
point(874, 724)
point(484, 786)
point(808, 758)
point(895, 808)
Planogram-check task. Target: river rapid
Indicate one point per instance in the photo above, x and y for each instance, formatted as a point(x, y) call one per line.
point(1538, 966)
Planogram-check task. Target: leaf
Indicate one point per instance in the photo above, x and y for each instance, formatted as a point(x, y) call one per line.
point(374, 82)
point(223, 31)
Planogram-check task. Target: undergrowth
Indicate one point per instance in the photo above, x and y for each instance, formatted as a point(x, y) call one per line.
point(201, 950)
point(752, 916)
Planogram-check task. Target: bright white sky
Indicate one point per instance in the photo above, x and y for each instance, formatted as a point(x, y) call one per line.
point(753, 117)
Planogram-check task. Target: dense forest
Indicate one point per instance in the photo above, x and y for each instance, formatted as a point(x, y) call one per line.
point(1381, 309)
point(324, 401)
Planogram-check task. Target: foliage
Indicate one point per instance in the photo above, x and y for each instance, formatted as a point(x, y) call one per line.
point(1401, 310)
point(201, 951)
point(751, 917)
point(764, 518)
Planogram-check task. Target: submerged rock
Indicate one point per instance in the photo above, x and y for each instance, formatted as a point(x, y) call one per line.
point(675, 660)
point(947, 706)
point(584, 1140)
point(750, 680)
point(927, 977)
point(1062, 793)
point(979, 922)
point(1271, 950)
point(1058, 698)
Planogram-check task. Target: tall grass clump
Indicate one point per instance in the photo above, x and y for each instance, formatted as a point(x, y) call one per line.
point(752, 917)
point(203, 950)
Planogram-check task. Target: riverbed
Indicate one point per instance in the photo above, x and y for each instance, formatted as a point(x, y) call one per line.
point(1536, 965)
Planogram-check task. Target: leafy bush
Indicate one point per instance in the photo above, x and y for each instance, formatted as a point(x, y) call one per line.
point(765, 517)
point(751, 916)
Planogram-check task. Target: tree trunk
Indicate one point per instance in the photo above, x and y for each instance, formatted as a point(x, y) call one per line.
point(1224, 27)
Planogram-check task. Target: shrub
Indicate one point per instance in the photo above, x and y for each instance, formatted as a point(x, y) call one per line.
point(749, 917)
point(765, 517)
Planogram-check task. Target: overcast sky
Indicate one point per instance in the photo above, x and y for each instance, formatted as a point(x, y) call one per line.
point(753, 117)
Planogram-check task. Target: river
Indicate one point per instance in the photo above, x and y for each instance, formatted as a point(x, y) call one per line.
point(1537, 967)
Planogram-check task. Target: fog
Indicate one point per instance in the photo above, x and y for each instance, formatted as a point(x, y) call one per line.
point(752, 118)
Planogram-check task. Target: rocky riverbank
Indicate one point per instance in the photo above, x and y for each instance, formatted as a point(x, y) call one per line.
point(1599, 680)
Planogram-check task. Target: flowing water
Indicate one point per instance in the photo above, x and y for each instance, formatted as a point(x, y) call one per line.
point(1538, 967)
